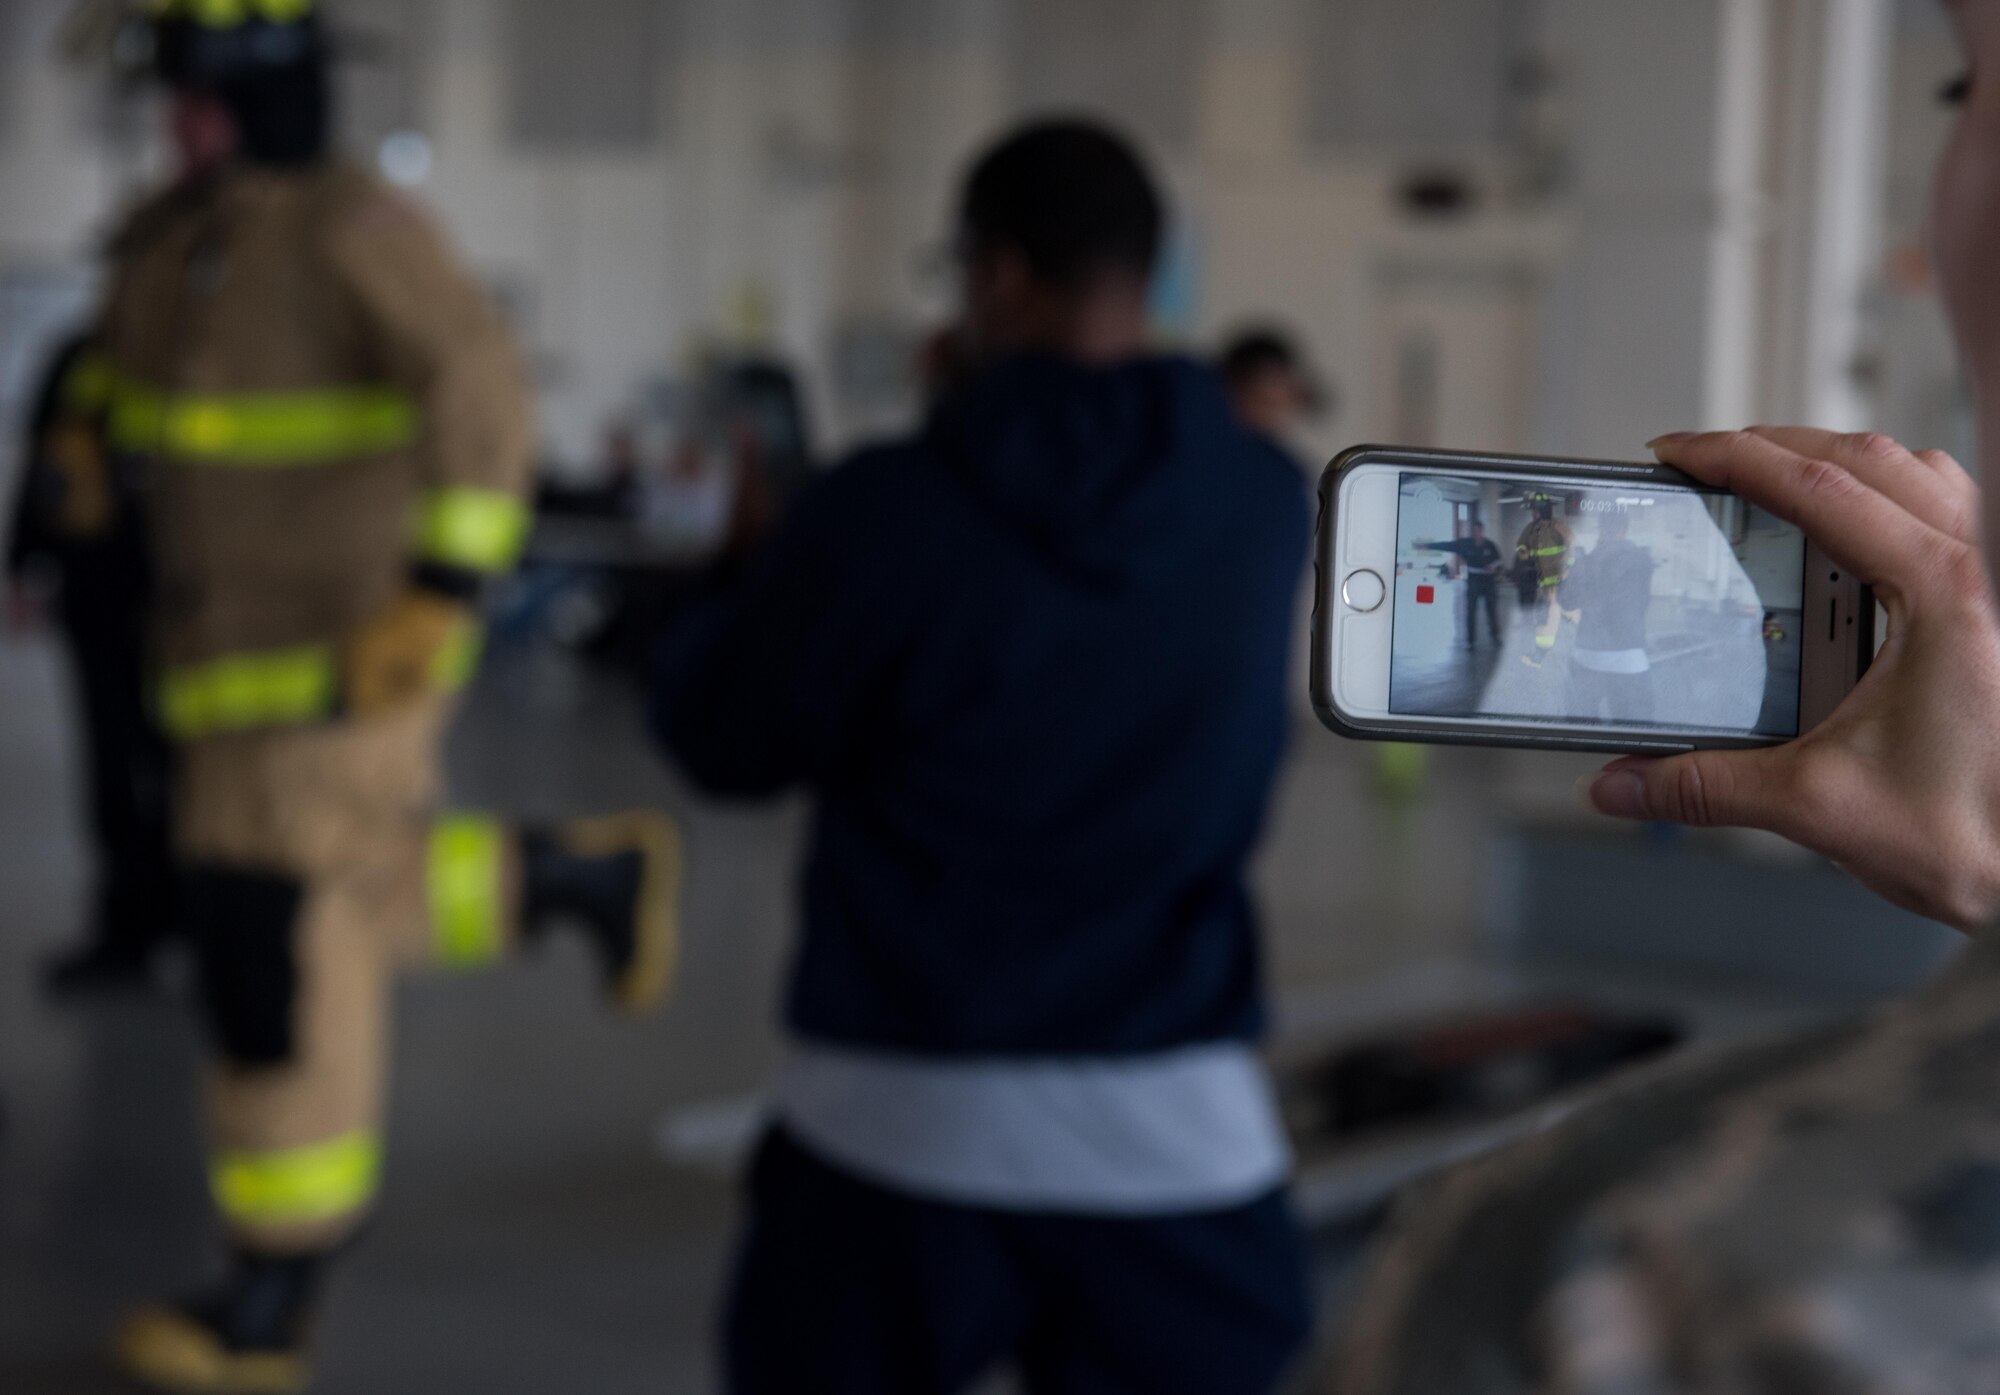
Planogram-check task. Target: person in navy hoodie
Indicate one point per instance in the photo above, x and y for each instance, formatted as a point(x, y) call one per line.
point(1029, 663)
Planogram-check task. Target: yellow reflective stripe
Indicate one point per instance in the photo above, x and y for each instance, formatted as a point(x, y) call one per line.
point(1548, 552)
point(298, 1186)
point(261, 428)
point(481, 529)
point(453, 667)
point(238, 691)
point(1552, 581)
point(467, 865)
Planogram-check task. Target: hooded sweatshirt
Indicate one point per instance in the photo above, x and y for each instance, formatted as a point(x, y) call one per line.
point(1030, 664)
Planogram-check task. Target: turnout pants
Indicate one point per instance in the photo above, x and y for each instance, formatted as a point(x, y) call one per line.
point(313, 868)
point(844, 1287)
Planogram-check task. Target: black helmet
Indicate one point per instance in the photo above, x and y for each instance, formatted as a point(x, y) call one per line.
point(266, 60)
point(215, 44)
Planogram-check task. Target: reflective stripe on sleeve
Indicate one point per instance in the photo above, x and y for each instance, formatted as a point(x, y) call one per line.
point(478, 529)
point(274, 687)
point(261, 428)
point(298, 1186)
point(468, 865)
point(453, 667)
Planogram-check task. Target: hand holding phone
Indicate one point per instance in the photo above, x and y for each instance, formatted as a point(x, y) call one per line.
point(1900, 785)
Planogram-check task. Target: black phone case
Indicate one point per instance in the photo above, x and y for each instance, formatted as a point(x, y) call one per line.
point(1528, 737)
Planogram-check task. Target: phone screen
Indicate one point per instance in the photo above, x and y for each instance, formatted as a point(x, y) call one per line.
point(1594, 605)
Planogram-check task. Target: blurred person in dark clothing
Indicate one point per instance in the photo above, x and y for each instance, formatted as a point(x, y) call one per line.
point(1030, 664)
point(1607, 595)
point(78, 543)
point(1270, 386)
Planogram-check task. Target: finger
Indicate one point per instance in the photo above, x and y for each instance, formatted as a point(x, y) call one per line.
point(1959, 481)
point(1704, 789)
point(1884, 466)
point(1867, 533)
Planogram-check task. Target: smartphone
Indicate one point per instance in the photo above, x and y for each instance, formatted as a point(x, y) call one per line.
point(1569, 604)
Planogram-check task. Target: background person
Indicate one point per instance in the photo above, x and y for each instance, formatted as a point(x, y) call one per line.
point(1607, 596)
point(78, 545)
point(1270, 386)
point(1813, 1213)
point(1031, 663)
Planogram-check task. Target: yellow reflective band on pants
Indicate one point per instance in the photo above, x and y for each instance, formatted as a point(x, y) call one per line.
point(298, 1186)
point(468, 894)
point(260, 429)
point(1548, 581)
point(237, 692)
point(479, 529)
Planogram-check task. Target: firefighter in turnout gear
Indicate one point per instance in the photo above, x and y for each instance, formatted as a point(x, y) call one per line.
point(338, 433)
point(1543, 551)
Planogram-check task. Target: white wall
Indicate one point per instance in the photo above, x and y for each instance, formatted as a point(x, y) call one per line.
point(810, 149)
point(810, 155)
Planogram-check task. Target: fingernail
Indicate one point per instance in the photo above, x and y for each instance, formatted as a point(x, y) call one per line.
point(1619, 793)
point(1672, 438)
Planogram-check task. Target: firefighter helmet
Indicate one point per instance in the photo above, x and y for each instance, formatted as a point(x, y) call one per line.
point(196, 43)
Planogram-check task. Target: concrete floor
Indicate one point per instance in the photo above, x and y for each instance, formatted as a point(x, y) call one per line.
point(531, 1236)
point(1696, 678)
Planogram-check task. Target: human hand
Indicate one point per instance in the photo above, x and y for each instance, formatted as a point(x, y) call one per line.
point(1901, 784)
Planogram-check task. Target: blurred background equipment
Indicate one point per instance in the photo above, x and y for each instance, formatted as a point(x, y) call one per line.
point(1544, 225)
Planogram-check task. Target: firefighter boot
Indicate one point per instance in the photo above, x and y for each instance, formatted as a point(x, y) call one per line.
point(246, 1337)
point(617, 879)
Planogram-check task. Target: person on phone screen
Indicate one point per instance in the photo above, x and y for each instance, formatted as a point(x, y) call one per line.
point(1813, 1212)
point(1481, 559)
point(1606, 596)
point(1542, 551)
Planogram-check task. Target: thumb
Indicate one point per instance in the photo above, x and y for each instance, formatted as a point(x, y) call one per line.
point(1702, 788)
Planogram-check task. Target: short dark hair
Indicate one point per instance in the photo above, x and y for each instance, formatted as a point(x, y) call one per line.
point(1259, 350)
point(1072, 196)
